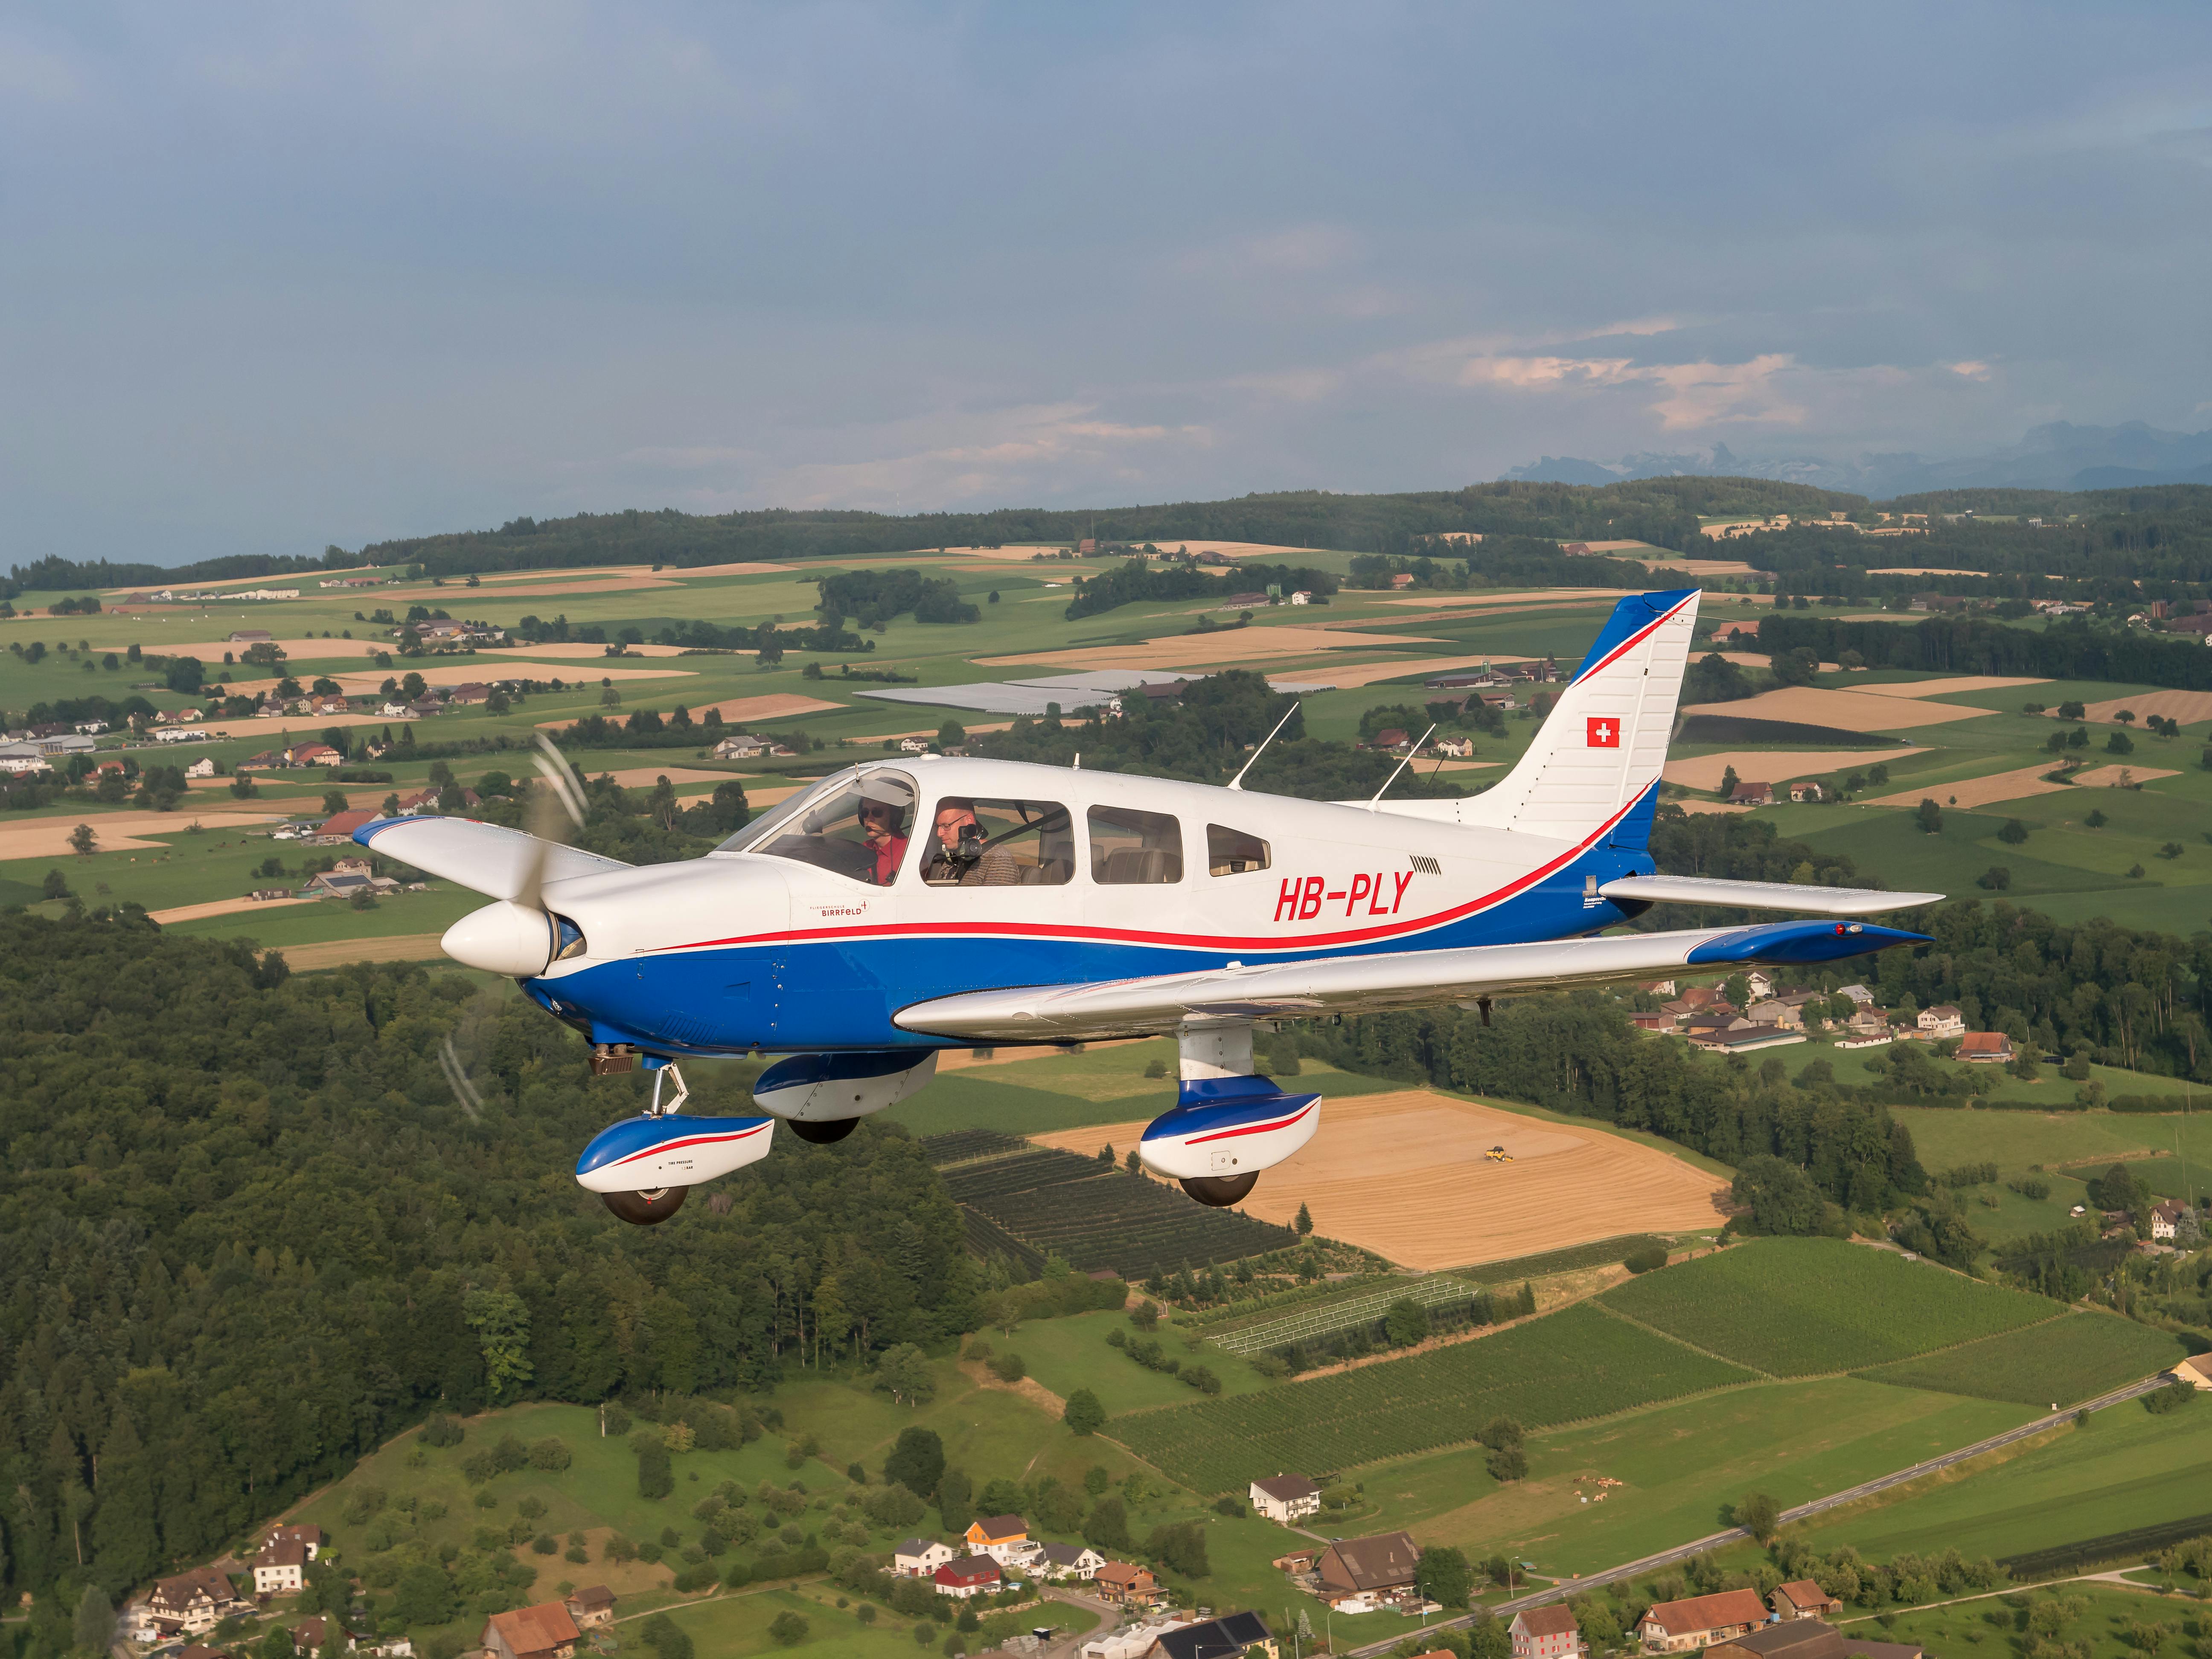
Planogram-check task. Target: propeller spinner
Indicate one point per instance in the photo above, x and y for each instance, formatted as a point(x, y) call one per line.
point(517, 936)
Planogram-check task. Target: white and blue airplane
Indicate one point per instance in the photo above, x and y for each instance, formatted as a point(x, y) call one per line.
point(899, 908)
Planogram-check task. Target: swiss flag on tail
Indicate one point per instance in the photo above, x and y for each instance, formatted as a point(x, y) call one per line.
point(1604, 732)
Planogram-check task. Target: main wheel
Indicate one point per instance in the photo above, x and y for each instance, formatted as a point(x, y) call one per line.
point(647, 1209)
point(824, 1132)
point(1220, 1191)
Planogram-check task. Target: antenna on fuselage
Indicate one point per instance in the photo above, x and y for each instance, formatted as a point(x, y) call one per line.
point(1237, 782)
point(1401, 767)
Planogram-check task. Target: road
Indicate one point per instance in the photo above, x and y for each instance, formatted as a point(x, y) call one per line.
point(1802, 1511)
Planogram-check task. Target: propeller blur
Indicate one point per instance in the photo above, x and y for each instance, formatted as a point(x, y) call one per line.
point(897, 909)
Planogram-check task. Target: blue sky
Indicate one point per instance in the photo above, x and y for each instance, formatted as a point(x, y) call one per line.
point(276, 275)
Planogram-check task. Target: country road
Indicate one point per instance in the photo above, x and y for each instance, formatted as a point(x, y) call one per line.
point(1802, 1511)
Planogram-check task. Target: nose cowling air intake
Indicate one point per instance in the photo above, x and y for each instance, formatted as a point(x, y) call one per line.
point(507, 938)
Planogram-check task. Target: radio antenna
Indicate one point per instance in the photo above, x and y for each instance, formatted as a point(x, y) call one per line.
point(1401, 767)
point(1237, 782)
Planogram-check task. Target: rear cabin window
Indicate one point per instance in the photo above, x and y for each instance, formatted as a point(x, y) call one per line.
point(1129, 848)
point(976, 842)
point(1232, 853)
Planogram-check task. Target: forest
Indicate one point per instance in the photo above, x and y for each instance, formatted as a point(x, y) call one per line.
point(248, 1229)
point(2072, 648)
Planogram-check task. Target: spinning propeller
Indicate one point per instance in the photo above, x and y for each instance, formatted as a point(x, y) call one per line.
point(516, 936)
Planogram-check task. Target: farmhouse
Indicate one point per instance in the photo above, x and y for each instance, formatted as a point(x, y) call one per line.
point(1809, 1639)
point(2165, 1218)
point(1127, 1585)
point(280, 1567)
point(1378, 1566)
point(544, 1631)
point(1800, 1598)
point(1700, 1621)
point(1545, 1633)
point(971, 1575)
point(2195, 1371)
point(1985, 1048)
point(590, 1606)
point(1001, 1537)
point(919, 1558)
point(1285, 1498)
point(1943, 1020)
point(308, 1635)
point(1751, 794)
point(339, 828)
point(192, 1601)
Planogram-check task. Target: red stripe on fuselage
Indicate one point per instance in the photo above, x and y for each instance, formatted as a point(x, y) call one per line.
point(1249, 1129)
point(1628, 644)
point(1183, 941)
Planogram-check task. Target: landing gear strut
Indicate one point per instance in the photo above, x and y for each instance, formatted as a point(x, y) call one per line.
point(1229, 1122)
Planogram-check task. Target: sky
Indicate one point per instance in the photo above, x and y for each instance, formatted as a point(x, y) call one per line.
point(278, 276)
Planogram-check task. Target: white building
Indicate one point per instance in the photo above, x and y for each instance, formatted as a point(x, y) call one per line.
point(1284, 1498)
point(920, 1558)
point(280, 1568)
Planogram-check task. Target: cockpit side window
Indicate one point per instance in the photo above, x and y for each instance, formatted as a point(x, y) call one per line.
point(973, 842)
point(1130, 848)
point(857, 825)
point(1232, 852)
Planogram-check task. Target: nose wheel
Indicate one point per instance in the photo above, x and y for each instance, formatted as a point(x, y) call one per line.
point(1219, 1192)
point(647, 1209)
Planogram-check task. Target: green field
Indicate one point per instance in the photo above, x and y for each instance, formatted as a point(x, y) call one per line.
point(1800, 1307)
point(2058, 1363)
point(1072, 1353)
point(1574, 1363)
point(2103, 1628)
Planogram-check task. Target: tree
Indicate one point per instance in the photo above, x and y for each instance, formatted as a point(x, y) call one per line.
point(1181, 1547)
point(2096, 820)
point(425, 1596)
point(656, 1475)
point(952, 735)
point(94, 1625)
point(2119, 743)
point(787, 1629)
point(501, 1321)
point(1729, 781)
point(1083, 1414)
point(82, 840)
point(2013, 832)
point(1107, 1526)
point(1406, 1322)
point(54, 887)
point(1442, 1573)
point(1783, 1199)
point(1929, 815)
point(1303, 1222)
point(1757, 1515)
point(672, 1641)
point(956, 1499)
point(916, 1460)
point(904, 1373)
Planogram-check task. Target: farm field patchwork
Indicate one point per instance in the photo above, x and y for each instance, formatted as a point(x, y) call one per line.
point(1070, 1354)
point(2065, 1361)
point(1456, 1205)
point(1574, 1363)
point(1801, 1307)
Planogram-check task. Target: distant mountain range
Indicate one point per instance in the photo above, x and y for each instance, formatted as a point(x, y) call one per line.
point(2059, 456)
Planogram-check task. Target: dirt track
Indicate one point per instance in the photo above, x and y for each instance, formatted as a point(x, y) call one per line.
point(1404, 1174)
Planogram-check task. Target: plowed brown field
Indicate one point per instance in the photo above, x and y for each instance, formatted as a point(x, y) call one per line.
point(1404, 1174)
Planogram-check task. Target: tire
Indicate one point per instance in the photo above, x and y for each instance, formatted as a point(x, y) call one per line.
point(1220, 1191)
point(647, 1209)
point(826, 1133)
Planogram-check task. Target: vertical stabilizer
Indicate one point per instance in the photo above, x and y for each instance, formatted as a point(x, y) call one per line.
point(1598, 756)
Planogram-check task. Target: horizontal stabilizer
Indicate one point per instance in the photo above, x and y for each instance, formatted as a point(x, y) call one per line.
point(1763, 895)
point(484, 858)
point(1374, 984)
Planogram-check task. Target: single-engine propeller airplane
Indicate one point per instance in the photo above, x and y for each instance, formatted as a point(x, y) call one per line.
point(897, 909)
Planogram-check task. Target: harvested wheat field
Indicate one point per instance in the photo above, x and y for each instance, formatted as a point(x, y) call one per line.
point(1404, 1174)
point(2118, 777)
point(2187, 707)
point(1223, 648)
point(2020, 785)
point(1775, 766)
point(1861, 711)
point(1945, 687)
point(338, 953)
point(738, 710)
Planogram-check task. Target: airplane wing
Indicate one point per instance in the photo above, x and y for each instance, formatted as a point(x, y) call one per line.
point(1764, 895)
point(1373, 984)
point(484, 858)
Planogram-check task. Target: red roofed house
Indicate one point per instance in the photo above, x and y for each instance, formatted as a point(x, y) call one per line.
point(1800, 1598)
point(1127, 1585)
point(1751, 794)
point(312, 754)
point(308, 1635)
point(1545, 1633)
point(307, 1534)
point(1388, 738)
point(281, 1567)
point(544, 1631)
point(1985, 1048)
point(971, 1575)
point(1699, 1621)
point(339, 828)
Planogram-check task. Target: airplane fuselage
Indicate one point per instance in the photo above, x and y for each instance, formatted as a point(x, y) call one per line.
point(1120, 876)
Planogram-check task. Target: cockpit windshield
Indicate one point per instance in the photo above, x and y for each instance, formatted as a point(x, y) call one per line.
point(856, 824)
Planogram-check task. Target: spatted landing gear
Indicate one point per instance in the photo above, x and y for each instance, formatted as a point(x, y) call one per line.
point(1220, 1191)
point(647, 1209)
point(826, 1133)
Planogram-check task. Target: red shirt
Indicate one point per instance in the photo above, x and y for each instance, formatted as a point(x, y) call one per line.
point(887, 860)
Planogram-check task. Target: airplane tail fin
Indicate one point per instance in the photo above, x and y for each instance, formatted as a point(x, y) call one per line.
point(1596, 760)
